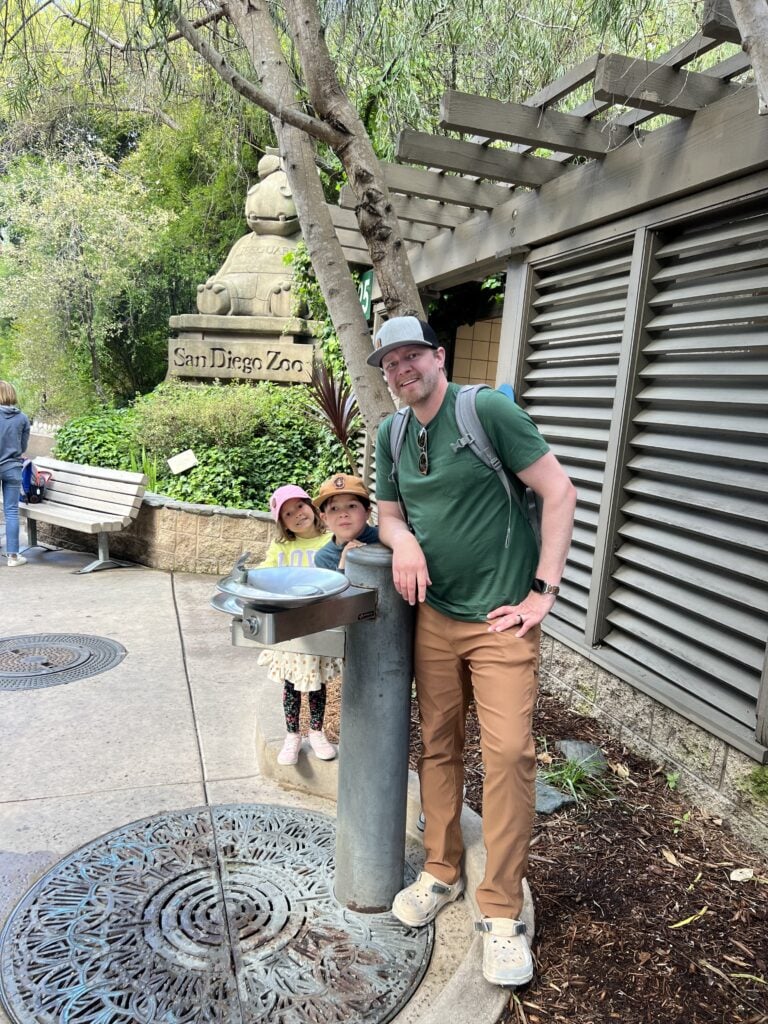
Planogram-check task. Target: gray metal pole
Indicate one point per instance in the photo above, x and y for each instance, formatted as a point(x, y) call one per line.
point(373, 748)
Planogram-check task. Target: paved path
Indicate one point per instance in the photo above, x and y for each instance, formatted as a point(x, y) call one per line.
point(171, 727)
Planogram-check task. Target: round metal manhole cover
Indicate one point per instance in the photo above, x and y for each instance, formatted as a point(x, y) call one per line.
point(215, 914)
point(50, 659)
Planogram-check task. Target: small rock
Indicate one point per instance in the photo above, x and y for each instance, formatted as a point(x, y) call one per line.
point(589, 756)
point(549, 799)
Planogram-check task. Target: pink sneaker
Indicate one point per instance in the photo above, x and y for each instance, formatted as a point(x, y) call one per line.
point(320, 745)
point(289, 753)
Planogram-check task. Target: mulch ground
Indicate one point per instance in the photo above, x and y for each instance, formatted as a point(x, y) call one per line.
point(637, 917)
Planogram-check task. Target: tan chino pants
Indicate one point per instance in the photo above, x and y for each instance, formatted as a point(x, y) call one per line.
point(456, 661)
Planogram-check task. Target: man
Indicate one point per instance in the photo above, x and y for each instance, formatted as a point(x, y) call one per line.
point(481, 595)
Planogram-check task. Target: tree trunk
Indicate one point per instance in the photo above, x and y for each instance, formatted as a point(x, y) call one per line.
point(375, 213)
point(751, 17)
point(252, 22)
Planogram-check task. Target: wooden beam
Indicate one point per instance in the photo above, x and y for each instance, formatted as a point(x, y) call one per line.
point(718, 22)
point(351, 239)
point(515, 122)
point(357, 256)
point(443, 187)
point(346, 220)
point(726, 140)
point(572, 79)
point(421, 211)
point(656, 87)
point(471, 158)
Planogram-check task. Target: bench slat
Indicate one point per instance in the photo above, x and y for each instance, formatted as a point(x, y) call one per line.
point(44, 462)
point(91, 497)
point(96, 483)
point(74, 519)
point(96, 505)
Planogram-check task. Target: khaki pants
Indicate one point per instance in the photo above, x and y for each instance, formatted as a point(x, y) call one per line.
point(456, 661)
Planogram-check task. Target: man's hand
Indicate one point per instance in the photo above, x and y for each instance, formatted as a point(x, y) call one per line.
point(409, 568)
point(527, 614)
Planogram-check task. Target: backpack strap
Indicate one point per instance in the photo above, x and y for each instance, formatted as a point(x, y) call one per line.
point(473, 435)
point(398, 428)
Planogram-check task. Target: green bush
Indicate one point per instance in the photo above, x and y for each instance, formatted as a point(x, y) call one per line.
point(98, 439)
point(247, 440)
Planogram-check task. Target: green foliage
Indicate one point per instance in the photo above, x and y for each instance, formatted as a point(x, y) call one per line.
point(308, 294)
point(247, 440)
point(575, 779)
point(672, 779)
point(99, 439)
point(82, 240)
point(755, 784)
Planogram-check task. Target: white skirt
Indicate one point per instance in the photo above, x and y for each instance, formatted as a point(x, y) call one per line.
point(307, 672)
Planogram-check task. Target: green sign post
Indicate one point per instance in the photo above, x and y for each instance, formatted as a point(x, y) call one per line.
point(364, 291)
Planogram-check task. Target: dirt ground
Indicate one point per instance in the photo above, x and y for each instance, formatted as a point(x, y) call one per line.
point(637, 916)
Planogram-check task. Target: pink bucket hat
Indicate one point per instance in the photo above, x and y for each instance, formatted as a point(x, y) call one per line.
point(283, 494)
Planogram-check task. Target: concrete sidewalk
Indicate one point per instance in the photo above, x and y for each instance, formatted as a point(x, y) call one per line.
point(184, 720)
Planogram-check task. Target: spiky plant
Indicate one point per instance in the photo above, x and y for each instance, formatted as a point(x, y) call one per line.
point(337, 404)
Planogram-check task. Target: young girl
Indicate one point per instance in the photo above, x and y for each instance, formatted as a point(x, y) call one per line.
point(301, 535)
point(14, 436)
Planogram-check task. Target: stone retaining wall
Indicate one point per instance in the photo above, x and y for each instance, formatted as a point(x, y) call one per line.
point(712, 774)
point(171, 534)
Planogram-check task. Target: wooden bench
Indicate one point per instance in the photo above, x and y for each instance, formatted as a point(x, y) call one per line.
point(87, 499)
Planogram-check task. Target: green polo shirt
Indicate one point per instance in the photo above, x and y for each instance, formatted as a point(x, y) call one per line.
point(459, 510)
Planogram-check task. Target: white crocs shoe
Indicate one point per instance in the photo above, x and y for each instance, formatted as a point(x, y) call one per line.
point(507, 956)
point(420, 903)
point(289, 753)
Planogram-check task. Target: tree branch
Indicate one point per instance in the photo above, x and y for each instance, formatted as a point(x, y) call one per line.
point(287, 115)
point(114, 43)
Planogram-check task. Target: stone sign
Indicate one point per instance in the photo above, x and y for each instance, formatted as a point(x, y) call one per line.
point(249, 360)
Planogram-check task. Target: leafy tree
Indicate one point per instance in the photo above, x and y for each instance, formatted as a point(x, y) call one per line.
point(81, 238)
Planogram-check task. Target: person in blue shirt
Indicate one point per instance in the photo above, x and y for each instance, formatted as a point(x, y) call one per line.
point(14, 437)
point(344, 508)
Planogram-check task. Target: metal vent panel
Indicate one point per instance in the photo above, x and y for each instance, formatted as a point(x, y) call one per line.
point(690, 596)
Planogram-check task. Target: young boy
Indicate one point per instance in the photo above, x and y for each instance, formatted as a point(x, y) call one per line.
point(344, 506)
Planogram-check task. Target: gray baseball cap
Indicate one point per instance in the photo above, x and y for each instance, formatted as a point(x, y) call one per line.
point(401, 330)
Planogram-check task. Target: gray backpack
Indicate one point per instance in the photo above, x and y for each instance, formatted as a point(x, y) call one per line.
point(473, 436)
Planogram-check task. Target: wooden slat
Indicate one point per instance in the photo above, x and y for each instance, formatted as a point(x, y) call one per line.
point(123, 476)
point(678, 159)
point(357, 256)
point(62, 490)
point(656, 87)
point(79, 501)
point(444, 187)
point(421, 211)
point(719, 23)
point(515, 122)
point(73, 519)
point(471, 158)
point(100, 485)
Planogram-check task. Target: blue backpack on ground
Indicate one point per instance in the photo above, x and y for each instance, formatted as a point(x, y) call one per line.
point(473, 436)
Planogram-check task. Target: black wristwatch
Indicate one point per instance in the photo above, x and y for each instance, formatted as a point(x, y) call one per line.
point(542, 587)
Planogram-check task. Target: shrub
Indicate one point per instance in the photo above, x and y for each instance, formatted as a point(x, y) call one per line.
point(98, 439)
point(247, 441)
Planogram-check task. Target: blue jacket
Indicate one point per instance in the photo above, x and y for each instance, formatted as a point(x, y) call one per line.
point(330, 556)
point(14, 436)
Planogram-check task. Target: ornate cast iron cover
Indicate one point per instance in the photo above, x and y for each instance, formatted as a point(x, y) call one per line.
point(50, 659)
point(215, 914)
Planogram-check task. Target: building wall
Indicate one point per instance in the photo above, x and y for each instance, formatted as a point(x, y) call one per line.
point(476, 353)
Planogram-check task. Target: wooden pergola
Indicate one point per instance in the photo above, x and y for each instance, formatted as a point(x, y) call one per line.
point(635, 332)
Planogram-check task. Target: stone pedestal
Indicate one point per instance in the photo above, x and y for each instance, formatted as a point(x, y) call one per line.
point(241, 347)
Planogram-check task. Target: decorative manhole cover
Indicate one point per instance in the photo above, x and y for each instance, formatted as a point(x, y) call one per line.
point(215, 914)
point(50, 659)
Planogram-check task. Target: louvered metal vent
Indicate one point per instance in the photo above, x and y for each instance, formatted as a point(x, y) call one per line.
point(689, 601)
point(576, 336)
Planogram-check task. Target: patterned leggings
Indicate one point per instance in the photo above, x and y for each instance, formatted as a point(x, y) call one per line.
point(292, 707)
